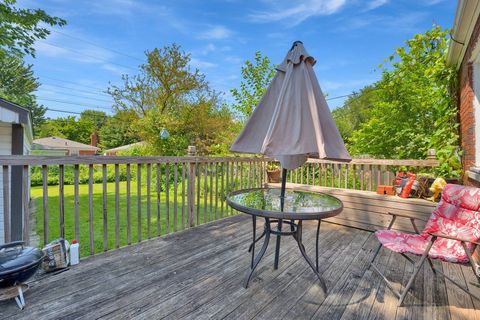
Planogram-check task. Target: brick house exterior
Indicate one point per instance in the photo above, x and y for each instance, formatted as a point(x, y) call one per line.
point(464, 54)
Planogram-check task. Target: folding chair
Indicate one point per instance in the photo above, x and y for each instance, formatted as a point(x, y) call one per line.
point(451, 234)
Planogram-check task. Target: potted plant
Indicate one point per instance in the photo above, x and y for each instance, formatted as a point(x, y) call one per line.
point(273, 172)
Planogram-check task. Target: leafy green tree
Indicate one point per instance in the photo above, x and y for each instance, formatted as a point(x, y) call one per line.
point(72, 128)
point(168, 94)
point(20, 28)
point(118, 130)
point(414, 109)
point(257, 75)
point(355, 111)
point(17, 84)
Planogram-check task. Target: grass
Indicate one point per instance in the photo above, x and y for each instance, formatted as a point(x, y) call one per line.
point(84, 238)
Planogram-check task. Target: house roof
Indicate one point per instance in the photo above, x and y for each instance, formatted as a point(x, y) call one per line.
point(125, 147)
point(62, 143)
point(466, 16)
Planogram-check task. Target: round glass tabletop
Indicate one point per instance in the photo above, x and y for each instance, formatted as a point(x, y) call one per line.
point(302, 205)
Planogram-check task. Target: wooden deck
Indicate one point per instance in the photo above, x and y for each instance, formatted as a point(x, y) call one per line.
point(197, 274)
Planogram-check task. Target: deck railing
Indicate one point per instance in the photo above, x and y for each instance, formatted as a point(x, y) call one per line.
point(109, 202)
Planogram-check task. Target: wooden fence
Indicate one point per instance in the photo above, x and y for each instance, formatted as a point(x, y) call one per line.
point(130, 199)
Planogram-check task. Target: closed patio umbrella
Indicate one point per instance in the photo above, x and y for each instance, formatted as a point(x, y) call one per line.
point(292, 121)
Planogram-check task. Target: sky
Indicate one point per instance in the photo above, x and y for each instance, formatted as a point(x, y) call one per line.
point(105, 39)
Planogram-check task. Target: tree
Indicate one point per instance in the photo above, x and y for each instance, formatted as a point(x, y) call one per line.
point(72, 128)
point(17, 84)
point(415, 106)
point(169, 94)
point(166, 81)
point(20, 28)
point(257, 75)
point(119, 130)
point(355, 111)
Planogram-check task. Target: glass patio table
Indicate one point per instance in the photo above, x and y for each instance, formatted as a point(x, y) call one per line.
point(295, 207)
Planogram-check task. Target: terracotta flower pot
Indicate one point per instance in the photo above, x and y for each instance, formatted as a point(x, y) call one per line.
point(273, 176)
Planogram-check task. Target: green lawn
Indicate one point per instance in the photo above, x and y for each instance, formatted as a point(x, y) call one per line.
point(54, 217)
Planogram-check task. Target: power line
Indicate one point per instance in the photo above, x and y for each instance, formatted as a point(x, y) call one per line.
point(82, 97)
point(87, 55)
point(76, 89)
point(75, 83)
point(73, 103)
point(97, 45)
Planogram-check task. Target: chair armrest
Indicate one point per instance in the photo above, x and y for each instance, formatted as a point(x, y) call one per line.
point(446, 236)
point(405, 216)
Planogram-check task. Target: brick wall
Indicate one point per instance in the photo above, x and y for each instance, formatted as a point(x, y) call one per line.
point(466, 114)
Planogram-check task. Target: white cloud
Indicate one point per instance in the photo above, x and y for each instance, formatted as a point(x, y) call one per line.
point(299, 11)
point(201, 64)
point(374, 4)
point(216, 33)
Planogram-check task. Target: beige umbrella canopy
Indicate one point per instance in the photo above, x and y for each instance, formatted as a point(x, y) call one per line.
point(292, 121)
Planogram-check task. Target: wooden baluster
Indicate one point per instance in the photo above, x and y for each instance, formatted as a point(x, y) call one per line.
point(199, 176)
point(205, 192)
point(241, 174)
point(90, 208)
point(117, 205)
point(211, 190)
point(45, 205)
point(248, 174)
point(167, 198)
point(354, 176)
point(313, 174)
point(308, 173)
point(191, 194)
point(216, 190)
point(183, 195)
point(347, 167)
point(232, 178)
point(339, 170)
point(76, 201)
point(222, 190)
point(227, 187)
point(61, 198)
point(362, 177)
point(149, 204)
point(139, 202)
point(104, 207)
point(301, 175)
point(371, 177)
point(332, 166)
point(159, 199)
point(175, 199)
point(129, 178)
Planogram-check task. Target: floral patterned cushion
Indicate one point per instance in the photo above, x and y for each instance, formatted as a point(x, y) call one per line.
point(457, 214)
point(444, 249)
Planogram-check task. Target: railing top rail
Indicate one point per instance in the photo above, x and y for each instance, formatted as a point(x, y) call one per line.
point(72, 160)
point(384, 162)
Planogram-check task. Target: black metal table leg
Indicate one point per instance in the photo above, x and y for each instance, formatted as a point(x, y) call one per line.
point(316, 244)
point(252, 246)
point(298, 238)
point(260, 254)
point(277, 245)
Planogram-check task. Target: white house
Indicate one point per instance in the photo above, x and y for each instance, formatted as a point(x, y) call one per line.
point(15, 139)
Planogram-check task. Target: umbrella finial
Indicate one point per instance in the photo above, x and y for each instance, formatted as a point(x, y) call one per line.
point(295, 43)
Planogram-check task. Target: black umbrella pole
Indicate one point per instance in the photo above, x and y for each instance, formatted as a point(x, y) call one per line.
point(279, 227)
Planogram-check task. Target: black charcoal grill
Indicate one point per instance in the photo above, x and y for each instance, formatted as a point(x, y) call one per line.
point(17, 264)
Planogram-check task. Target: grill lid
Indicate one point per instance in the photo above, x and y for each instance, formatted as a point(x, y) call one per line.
point(14, 256)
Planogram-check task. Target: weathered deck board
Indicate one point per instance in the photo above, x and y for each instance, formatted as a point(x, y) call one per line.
point(197, 274)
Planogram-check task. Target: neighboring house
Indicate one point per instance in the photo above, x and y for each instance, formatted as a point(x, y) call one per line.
point(59, 146)
point(464, 53)
point(15, 139)
point(114, 151)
